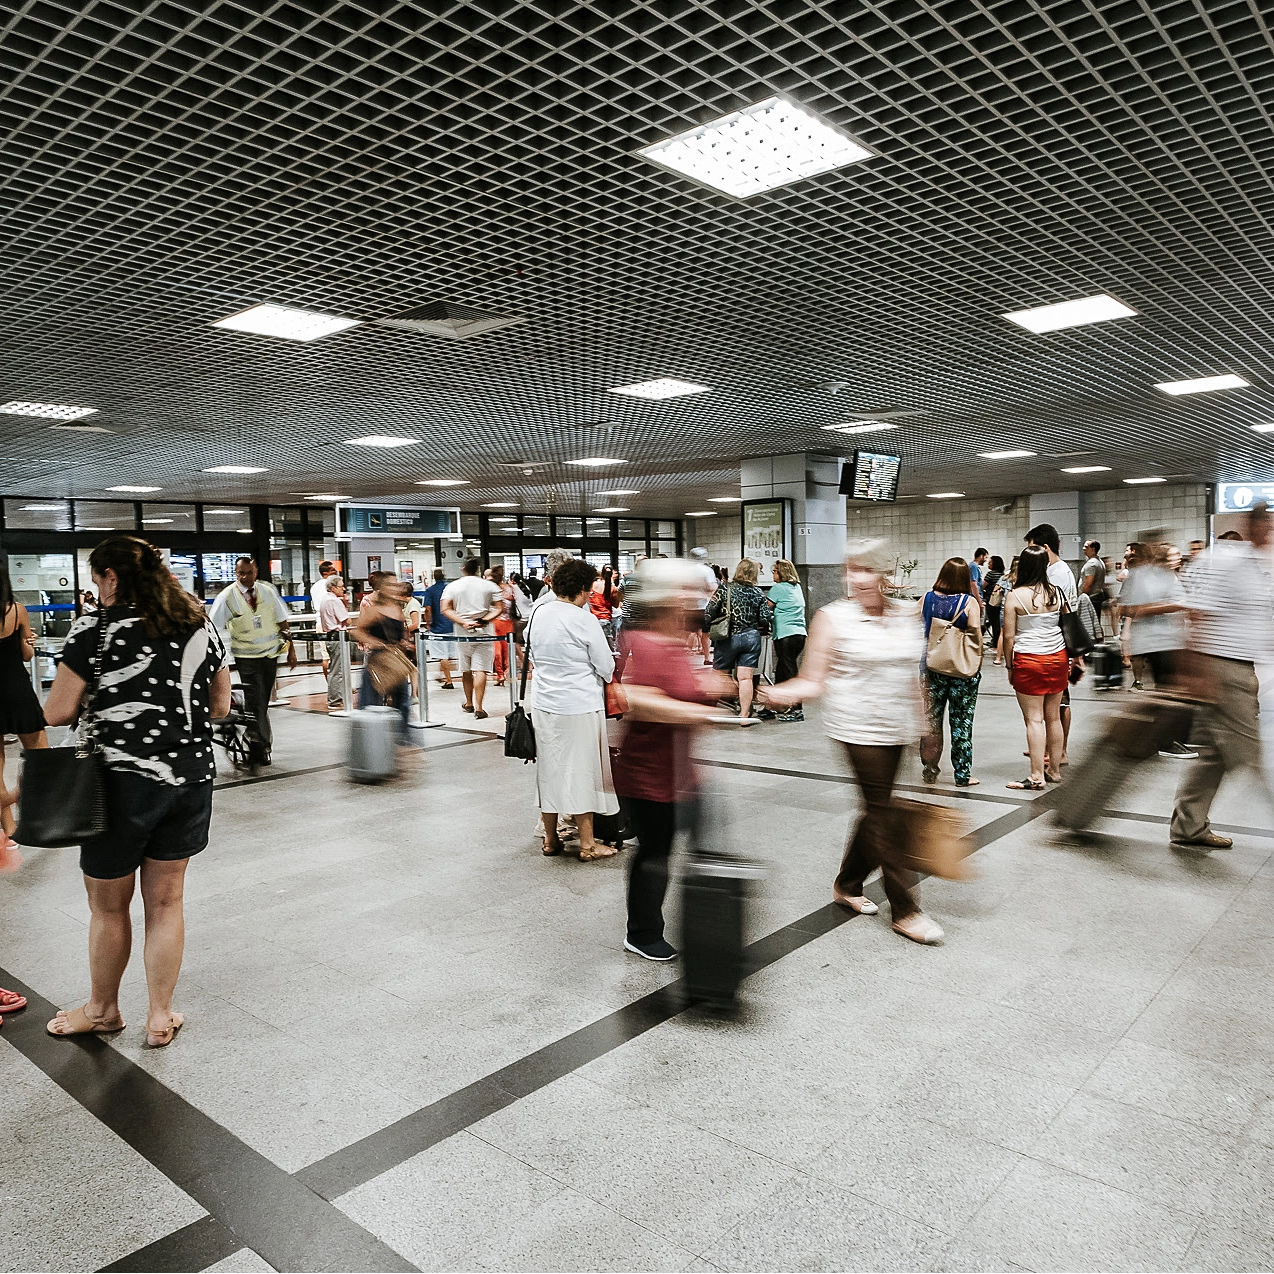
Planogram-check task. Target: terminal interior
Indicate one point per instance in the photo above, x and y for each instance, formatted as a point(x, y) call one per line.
point(635, 279)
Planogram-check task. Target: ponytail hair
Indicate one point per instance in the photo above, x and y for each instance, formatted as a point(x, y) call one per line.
point(146, 583)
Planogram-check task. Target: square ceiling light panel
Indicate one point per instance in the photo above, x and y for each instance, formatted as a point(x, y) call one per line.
point(596, 462)
point(443, 482)
point(236, 468)
point(285, 321)
point(1054, 318)
point(455, 322)
point(762, 147)
point(1202, 385)
point(664, 387)
point(46, 411)
point(861, 427)
point(380, 440)
point(135, 489)
point(1088, 468)
point(1005, 455)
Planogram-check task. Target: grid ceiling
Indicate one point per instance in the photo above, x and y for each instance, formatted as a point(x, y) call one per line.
point(168, 164)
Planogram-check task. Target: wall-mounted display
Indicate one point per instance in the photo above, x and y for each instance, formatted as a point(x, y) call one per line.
point(767, 533)
point(367, 519)
point(871, 476)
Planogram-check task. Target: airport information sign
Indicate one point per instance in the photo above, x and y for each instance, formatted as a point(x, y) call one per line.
point(368, 519)
point(1238, 497)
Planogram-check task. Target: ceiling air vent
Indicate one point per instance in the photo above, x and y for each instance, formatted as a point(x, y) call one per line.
point(455, 322)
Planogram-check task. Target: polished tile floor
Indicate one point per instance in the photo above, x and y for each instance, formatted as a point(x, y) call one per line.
point(413, 1042)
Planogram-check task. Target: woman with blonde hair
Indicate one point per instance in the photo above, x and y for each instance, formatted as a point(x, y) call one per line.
point(863, 660)
point(787, 606)
point(738, 608)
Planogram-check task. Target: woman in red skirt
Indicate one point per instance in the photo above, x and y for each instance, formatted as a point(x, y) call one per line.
point(1035, 652)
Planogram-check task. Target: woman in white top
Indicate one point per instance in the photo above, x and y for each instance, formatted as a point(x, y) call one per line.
point(1035, 651)
point(572, 662)
point(863, 659)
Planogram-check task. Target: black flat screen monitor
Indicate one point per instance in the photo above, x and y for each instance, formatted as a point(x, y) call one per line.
point(871, 476)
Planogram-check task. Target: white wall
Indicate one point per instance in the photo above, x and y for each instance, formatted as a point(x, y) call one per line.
point(1117, 518)
point(721, 536)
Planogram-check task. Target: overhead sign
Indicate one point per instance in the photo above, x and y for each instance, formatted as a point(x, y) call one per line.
point(376, 519)
point(1239, 497)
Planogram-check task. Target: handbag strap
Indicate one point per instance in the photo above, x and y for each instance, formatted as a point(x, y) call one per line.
point(526, 659)
point(729, 614)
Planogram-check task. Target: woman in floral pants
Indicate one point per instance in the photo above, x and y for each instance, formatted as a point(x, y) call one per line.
point(952, 599)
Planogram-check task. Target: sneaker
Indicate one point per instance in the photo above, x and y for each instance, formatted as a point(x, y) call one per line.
point(1209, 840)
point(1136, 685)
point(1179, 752)
point(795, 715)
point(661, 950)
point(766, 714)
point(337, 712)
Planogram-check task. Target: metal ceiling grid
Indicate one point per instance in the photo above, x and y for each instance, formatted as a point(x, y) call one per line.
point(168, 164)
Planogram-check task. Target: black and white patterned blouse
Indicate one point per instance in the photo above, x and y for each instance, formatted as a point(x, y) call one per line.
point(152, 712)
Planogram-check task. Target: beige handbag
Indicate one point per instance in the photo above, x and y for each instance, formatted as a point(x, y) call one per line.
point(954, 652)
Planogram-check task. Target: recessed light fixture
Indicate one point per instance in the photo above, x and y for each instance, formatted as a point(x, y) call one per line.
point(327, 499)
point(627, 491)
point(1202, 385)
point(155, 521)
point(612, 508)
point(44, 508)
point(703, 513)
point(596, 462)
point(380, 440)
point(46, 411)
point(1053, 318)
point(84, 429)
point(1141, 482)
point(285, 321)
point(664, 387)
point(225, 513)
point(95, 528)
point(138, 489)
point(502, 519)
point(236, 468)
point(1262, 429)
point(503, 504)
point(443, 482)
point(861, 427)
point(1088, 468)
point(946, 495)
point(725, 499)
point(1005, 455)
point(762, 147)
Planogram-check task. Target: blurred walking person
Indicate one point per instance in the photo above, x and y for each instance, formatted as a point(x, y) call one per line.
point(948, 692)
point(573, 662)
point(20, 711)
point(1035, 652)
point(787, 604)
point(863, 659)
point(1231, 627)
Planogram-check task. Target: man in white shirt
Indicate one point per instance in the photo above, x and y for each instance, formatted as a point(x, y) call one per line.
point(318, 590)
point(333, 615)
point(472, 603)
point(255, 626)
point(708, 586)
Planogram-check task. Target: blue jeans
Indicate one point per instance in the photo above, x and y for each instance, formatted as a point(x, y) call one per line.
point(743, 650)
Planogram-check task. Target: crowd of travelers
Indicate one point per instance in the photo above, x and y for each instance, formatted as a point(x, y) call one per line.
point(674, 646)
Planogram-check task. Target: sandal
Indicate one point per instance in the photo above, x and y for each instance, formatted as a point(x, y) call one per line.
point(1027, 784)
point(550, 849)
point(969, 782)
point(162, 1039)
point(1049, 778)
point(78, 1022)
point(596, 851)
point(11, 1001)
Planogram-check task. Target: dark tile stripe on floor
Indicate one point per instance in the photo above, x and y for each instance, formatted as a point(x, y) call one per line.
point(194, 1247)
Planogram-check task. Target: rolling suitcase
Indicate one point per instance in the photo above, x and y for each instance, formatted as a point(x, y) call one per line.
point(1152, 721)
point(1106, 662)
point(614, 829)
point(373, 744)
point(715, 890)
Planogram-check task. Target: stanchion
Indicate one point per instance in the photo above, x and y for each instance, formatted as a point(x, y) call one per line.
point(346, 670)
point(422, 671)
point(36, 680)
point(513, 672)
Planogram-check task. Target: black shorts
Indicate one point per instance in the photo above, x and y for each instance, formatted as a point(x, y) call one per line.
point(146, 819)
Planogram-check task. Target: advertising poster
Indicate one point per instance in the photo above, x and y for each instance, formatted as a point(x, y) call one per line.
point(406, 570)
point(765, 533)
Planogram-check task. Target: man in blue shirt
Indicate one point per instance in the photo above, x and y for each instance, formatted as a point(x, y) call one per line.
point(975, 570)
point(439, 627)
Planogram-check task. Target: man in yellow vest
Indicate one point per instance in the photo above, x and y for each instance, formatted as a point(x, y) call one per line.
point(252, 615)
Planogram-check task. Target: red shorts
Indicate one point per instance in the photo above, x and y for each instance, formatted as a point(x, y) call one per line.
point(1040, 674)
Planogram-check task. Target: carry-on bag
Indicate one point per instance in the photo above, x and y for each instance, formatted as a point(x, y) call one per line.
point(1107, 665)
point(715, 889)
point(373, 744)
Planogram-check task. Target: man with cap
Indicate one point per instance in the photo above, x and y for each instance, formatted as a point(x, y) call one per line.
point(708, 578)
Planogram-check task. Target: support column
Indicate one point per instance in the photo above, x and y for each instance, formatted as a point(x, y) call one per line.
point(810, 481)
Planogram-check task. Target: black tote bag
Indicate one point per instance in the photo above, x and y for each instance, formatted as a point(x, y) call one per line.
point(519, 733)
point(64, 789)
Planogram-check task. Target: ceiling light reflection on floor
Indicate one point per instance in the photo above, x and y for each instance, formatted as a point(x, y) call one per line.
point(1054, 318)
point(1202, 384)
point(286, 321)
point(766, 146)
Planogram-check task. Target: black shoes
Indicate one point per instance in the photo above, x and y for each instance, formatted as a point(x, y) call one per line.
point(661, 951)
point(1179, 752)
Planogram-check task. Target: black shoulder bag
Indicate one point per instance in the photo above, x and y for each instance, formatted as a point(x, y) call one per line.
point(64, 789)
point(1076, 636)
point(519, 733)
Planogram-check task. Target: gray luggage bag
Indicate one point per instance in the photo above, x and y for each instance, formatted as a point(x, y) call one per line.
point(373, 744)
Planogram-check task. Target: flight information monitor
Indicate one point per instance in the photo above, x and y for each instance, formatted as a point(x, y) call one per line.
point(871, 476)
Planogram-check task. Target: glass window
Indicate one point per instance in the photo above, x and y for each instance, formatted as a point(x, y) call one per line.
point(103, 515)
point(37, 515)
point(633, 527)
point(503, 523)
point(570, 528)
point(597, 528)
point(218, 572)
point(286, 523)
point(226, 517)
point(164, 519)
point(537, 526)
point(628, 551)
point(664, 530)
point(469, 526)
point(45, 584)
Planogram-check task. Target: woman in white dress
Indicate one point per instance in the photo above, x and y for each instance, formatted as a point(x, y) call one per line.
point(573, 662)
point(863, 660)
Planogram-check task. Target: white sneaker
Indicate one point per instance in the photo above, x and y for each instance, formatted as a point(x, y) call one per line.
point(337, 712)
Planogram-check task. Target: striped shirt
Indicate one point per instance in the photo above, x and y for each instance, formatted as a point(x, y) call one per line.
point(1231, 597)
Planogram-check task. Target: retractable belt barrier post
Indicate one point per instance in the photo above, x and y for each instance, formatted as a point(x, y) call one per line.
point(422, 671)
point(36, 680)
point(346, 670)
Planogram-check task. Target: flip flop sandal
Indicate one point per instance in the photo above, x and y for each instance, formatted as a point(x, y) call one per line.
point(11, 1001)
point(88, 1029)
point(1025, 785)
point(598, 851)
point(164, 1038)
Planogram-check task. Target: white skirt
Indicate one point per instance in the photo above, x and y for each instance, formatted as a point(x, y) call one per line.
point(572, 765)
